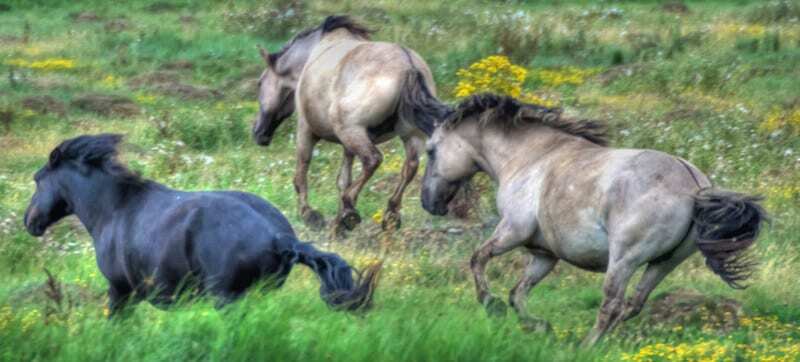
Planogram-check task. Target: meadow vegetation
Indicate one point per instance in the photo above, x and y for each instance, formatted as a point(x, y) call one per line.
point(717, 83)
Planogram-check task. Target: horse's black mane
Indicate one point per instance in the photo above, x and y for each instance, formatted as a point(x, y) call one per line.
point(98, 151)
point(493, 108)
point(330, 24)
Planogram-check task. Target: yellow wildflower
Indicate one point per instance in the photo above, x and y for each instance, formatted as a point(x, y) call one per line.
point(51, 64)
point(377, 217)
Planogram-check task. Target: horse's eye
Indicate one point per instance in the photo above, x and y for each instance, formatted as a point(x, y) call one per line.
point(431, 152)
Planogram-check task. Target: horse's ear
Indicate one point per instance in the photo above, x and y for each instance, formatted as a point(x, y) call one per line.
point(265, 54)
point(55, 158)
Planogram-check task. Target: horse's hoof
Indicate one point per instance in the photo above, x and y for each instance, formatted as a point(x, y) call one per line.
point(314, 220)
point(350, 219)
point(495, 307)
point(391, 221)
point(535, 325)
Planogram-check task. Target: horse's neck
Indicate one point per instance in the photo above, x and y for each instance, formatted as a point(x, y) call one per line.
point(96, 200)
point(506, 154)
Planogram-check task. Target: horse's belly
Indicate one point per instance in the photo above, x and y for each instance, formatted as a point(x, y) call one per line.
point(585, 248)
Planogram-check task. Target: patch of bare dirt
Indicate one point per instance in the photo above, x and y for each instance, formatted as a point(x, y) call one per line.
point(677, 7)
point(686, 306)
point(44, 104)
point(117, 25)
point(169, 83)
point(178, 65)
point(106, 104)
point(85, 17)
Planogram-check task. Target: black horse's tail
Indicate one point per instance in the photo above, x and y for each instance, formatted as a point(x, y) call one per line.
point(728, 223)
point(418, 105)
point(338, 288)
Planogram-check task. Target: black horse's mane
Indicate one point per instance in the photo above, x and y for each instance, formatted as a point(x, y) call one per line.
point(330, 24)
point(99, 152)
point(494, 108)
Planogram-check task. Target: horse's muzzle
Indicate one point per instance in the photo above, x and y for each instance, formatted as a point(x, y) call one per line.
point(262, 140)
point(34, 228)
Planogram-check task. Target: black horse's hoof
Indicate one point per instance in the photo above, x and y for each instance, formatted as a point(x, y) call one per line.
point(350, 219)
point(495, 307)
point(535, 325)
point(391, 221)
point(314, 220)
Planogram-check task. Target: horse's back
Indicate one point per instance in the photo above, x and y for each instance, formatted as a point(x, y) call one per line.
point(355, 83)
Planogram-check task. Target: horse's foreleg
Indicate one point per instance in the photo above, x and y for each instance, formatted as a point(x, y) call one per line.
point(120, 298)
point(538, 267)
point(391, 218)
point(617, 277)
point(357, 142)
point(305, 147)
point(505, 238)
point(345, 172)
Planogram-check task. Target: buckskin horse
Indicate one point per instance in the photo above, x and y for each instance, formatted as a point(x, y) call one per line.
point(352, 91)
point(563, 194)
point(154, 242)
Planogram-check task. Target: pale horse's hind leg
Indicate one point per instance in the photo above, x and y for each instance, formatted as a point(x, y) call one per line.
point(655, 273)
point(356, 141)
point(305, 147)
point(412, 145)
point(505, 238)
point(539, 265)
point(638, 236)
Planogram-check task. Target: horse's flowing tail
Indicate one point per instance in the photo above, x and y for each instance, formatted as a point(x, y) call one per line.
point(418, 105)
point(338, 288)
point(728, 223)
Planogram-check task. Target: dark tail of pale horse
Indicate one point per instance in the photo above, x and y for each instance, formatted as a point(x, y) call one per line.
point(417, 103)
point(728, 223)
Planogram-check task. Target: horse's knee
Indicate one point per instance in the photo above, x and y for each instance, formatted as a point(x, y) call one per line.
point(372, 161)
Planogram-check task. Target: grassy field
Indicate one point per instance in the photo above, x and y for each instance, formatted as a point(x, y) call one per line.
point(717, 83)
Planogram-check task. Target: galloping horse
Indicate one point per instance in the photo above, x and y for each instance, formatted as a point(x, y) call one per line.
point(351, 91)
point(562, 194)
point(154, 242)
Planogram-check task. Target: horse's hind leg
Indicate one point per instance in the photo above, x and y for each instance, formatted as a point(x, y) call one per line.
point(654, 274)
point(356, 141)
point(412, 145)
point(539, 265)
point(617, 277)
point(305, 147)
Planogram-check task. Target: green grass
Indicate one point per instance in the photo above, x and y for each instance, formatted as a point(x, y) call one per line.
point(700, 85)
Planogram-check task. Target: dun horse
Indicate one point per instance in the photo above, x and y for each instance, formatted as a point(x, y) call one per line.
point(351, 91)
point(563, 195)
point(154, 242)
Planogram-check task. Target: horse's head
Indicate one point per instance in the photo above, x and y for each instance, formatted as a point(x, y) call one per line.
point(49, 203)
point(72, 175)
point(451, 162)
point(278, 82)
point(275, 97)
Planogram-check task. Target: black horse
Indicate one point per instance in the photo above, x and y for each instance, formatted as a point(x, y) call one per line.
point(154, 242)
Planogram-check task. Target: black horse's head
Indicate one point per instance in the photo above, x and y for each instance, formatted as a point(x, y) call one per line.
point(82, 157)
point(48, 203)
